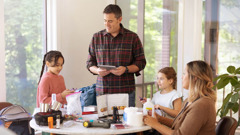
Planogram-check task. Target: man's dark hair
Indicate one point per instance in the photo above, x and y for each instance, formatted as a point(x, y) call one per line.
point(115, 9)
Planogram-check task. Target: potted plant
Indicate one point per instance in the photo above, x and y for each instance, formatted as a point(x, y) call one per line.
point(231, 101)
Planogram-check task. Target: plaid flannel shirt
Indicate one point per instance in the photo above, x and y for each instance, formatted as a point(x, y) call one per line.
point(123, 50)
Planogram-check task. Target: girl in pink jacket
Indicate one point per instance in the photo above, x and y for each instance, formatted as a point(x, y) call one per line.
point(51, 82)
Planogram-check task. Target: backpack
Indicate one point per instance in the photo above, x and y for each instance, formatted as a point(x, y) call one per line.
point(17, 119)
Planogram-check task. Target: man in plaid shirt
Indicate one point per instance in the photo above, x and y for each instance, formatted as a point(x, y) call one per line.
point(118, 47)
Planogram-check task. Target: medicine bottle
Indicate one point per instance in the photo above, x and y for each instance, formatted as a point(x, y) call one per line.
point(50, 122)
point(148, 107)
point(58, 121)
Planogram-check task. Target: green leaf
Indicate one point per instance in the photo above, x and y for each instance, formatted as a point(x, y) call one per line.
point(234, 81)
point(235, 77)
point(235, 98)
point(231, 69)
point(222, 82)
point(228, 106)
point(219, 110)
point(220, 76)
point(226, 99)
point(235, 107)
point(236, 87)
point(237, 71)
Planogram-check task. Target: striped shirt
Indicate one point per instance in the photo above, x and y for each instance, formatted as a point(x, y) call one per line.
point(123, 50)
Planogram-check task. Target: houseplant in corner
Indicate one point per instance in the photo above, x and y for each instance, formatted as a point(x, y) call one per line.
point(231, 101)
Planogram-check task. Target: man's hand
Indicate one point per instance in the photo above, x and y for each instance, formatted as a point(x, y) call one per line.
point(118, 71)
point(102, 72)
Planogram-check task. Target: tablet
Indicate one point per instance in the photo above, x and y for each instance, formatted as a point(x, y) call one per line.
point(108, 67)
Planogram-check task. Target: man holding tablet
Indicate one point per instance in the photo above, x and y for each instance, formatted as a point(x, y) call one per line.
point(115, 55)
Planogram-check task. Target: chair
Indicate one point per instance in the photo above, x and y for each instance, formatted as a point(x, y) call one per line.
point(4, 104)
point(226, 126)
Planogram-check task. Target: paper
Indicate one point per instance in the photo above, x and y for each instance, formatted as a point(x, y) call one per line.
point(106, 102)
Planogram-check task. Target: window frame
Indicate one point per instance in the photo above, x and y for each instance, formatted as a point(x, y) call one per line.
point(2, 55)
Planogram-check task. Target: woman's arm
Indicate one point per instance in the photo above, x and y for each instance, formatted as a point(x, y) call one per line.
point(166, 121)
point(153, 122)
point(177, 103)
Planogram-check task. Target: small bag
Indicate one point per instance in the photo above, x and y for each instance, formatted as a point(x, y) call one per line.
point(74, 104)
point(16, 118)
point(88, 96)
point(41, 118)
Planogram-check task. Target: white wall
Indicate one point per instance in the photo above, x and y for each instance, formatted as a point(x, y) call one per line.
point(77, 21)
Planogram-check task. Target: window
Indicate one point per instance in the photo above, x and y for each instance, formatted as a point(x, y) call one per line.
point(160, 36)
point(129, 13)
point(160, 33)
point(229, 31)
point(229, 41)
point(25, 43)
point(222, 22)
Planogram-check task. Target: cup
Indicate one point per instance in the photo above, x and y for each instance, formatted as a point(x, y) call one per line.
point(41, 107)
point(44, 107)
point(56, 105)
point(135, 119)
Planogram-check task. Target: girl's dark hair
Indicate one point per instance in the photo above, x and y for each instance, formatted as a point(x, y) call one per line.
point(170, 74)
point(50, 57)
point(115, 9)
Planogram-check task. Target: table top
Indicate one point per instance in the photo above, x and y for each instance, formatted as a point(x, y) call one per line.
point(77, 128)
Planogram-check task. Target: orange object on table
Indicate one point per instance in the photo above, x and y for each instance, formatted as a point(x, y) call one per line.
point(50, 122)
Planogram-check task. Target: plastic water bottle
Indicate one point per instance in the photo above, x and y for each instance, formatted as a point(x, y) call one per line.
point(54, 98)
point(148, 106)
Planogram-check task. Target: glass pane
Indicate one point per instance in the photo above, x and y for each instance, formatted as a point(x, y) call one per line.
point(129, 13)
point(229, 40)
point(160, 36)
point(229, 31)
point(160, 32)
point(24, 38)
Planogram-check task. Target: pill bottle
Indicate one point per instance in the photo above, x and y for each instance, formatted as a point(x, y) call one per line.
point(50, 122)
point(58, 121)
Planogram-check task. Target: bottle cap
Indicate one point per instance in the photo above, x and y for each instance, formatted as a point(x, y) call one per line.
point(148, 99)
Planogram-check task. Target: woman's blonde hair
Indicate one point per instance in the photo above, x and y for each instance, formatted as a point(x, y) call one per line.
point(200, 81)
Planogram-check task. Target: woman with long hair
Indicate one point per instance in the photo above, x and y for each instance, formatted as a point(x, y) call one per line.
point(198, 114)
